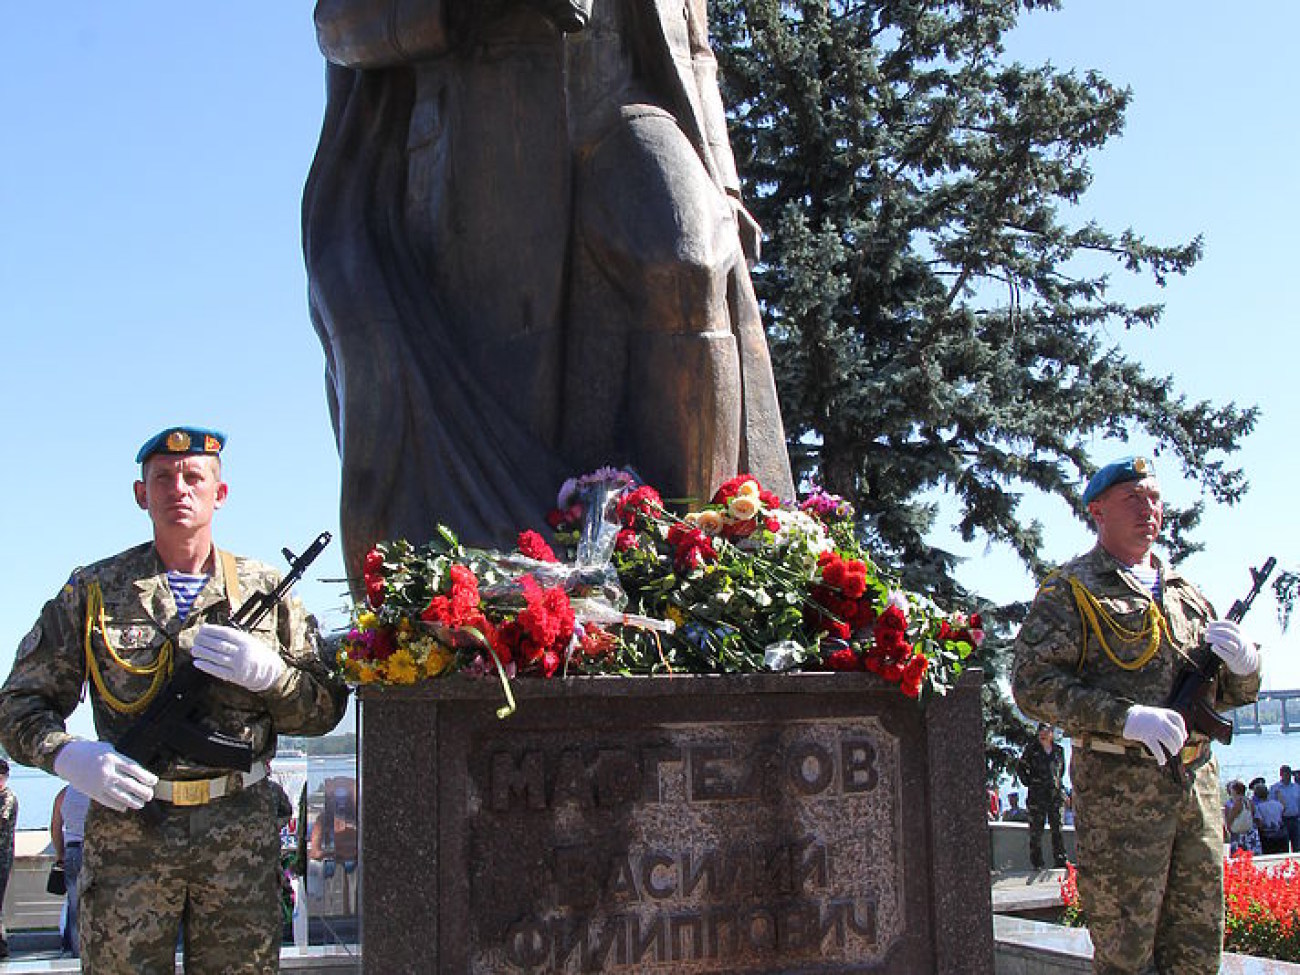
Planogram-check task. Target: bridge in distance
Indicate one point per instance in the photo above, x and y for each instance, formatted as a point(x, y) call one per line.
point(1250, 719)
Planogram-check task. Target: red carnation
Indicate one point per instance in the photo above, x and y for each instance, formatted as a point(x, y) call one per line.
point(534, 546)
point(596, 643)
point(914, 674)
point(844, 659)
point(644, 500)
point(459, 607)
point(691, 547)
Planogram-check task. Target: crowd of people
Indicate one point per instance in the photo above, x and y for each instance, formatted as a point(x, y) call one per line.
point(1263, 818)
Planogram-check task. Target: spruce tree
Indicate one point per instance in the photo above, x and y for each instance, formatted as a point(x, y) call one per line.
point(939, 322)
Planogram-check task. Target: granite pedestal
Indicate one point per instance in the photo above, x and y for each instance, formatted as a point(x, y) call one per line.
point(693, 824)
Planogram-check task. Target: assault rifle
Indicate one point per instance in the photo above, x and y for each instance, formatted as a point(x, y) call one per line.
point(170, 728)
point(1192, 696)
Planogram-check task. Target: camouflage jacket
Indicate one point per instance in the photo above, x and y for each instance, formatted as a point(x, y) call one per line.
point(1041, 771)
point(1062, 673)
point(139, 616)
point(8, 822)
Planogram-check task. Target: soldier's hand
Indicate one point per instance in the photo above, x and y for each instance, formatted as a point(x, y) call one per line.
point(238, 657)
point(1230, 642)
point(1161, 730)
point(107, 776)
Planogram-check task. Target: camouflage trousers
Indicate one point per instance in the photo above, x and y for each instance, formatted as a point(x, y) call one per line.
point(1044, 809)
point(210, 872)
point(1150, 868)
point(6, 868)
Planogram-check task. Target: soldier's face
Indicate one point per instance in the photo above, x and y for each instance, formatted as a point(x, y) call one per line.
point(181, 492)
point(1128, 518)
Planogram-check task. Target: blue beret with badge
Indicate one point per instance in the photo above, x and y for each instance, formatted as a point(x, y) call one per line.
point(182, 440)
point(1121, 471)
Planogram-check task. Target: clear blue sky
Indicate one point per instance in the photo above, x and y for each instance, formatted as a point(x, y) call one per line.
point(151, 272)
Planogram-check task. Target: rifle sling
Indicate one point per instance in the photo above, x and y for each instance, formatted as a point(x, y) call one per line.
point(230, 576)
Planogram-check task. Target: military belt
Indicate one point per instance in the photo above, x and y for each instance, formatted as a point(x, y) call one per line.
point(1188, 754)
point(199, 792)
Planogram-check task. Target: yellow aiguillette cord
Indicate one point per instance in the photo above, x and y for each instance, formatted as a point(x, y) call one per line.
point(160, 669)
point(1094, 616)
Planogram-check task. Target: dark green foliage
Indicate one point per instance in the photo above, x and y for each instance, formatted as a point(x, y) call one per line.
point(937, 325)
point(1286, 587)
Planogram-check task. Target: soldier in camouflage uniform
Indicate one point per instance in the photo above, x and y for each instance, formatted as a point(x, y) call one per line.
point(213, 859)
point(1097, 656)
point(8, 825)
point(1041, 768)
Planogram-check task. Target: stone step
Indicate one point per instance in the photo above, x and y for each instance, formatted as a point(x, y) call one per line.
point(317, 960)
point(1025, 947)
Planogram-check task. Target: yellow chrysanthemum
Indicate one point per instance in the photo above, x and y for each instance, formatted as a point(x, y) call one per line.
point(367, 621)
point(401, 668)
point(359, 672)
point(676, 615)
point(438, 661)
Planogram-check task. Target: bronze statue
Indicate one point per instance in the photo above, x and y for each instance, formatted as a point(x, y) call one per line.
point(524, 238)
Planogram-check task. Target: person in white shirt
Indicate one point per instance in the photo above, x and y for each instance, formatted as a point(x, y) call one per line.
point(1268, 820)
point(1287, 791)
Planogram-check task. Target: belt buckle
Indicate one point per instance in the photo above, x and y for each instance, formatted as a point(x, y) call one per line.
point(195, 792)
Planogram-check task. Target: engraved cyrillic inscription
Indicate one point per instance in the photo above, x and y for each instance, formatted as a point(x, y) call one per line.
point(743, 847)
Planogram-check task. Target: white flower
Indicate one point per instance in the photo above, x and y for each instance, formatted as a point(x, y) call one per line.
point(743, 506)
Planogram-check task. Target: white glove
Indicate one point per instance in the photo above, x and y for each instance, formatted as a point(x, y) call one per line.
point(1160, 729)
point(107, 776)
point(1229, 641)
point(237, 657)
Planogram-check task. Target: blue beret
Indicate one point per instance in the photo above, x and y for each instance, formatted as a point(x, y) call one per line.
point(1127, 469)
point(182, 440)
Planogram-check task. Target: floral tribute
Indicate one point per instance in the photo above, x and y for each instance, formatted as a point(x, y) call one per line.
point(746, 583)
point(1261, 906)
